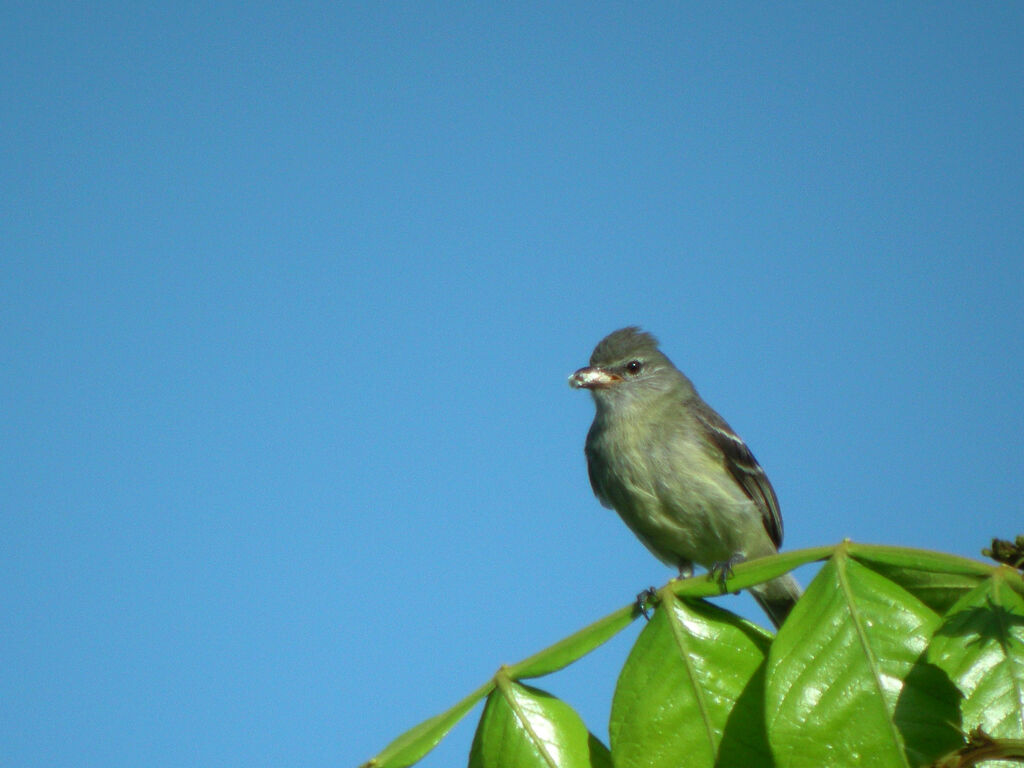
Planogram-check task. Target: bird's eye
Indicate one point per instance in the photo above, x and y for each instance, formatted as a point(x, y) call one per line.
point(634, 366)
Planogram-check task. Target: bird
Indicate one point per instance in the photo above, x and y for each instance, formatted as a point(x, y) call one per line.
point(674, 470)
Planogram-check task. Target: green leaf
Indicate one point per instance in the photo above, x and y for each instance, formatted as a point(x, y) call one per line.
point(411, 746)
point(525, 727)
point(578, 644)
point(936, 579)
point(981, 646)
point(677, 697)
point(847, 682)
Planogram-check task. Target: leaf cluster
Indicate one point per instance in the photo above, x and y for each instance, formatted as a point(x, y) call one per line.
point(893, 657)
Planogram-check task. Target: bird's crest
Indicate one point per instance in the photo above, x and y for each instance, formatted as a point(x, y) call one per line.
point(623, 343)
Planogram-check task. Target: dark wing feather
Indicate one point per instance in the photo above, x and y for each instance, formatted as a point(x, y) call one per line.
point(744, 467)
point(596, 466)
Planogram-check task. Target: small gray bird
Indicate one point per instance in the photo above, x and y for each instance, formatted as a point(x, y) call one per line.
point(674, 470)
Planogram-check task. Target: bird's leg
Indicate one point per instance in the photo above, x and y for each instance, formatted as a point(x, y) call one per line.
point(644, 599)
point(722, 570)
point(685, 569)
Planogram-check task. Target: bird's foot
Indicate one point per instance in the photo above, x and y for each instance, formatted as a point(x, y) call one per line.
point(722, 570)
point(645, 600)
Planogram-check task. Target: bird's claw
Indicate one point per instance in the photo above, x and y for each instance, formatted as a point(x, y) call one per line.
point(644, 599)
point(722, 570)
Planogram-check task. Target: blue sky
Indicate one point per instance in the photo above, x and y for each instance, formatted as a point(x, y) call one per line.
point(290, 295)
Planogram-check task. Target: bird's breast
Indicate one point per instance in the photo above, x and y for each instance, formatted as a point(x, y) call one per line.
point(662, 482)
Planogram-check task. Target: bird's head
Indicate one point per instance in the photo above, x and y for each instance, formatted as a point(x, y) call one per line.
point(626, 364)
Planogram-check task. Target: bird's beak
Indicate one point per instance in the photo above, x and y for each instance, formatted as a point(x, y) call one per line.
point(593, 378)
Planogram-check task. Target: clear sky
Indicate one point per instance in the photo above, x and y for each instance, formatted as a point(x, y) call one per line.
point(289, 295)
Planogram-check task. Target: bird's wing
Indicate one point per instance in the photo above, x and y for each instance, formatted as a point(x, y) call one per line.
point(744, 467)
point(596, 470)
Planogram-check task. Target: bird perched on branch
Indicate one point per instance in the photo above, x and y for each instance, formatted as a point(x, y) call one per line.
point(674, 470)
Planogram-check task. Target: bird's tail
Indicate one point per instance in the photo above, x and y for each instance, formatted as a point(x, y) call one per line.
point(778, 597)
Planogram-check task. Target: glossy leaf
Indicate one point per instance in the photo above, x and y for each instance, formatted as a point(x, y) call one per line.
point(847, 681)
point(924, 559)
point(676, 698)
point(525, 727)
point(936, 579)
point(981, 646)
